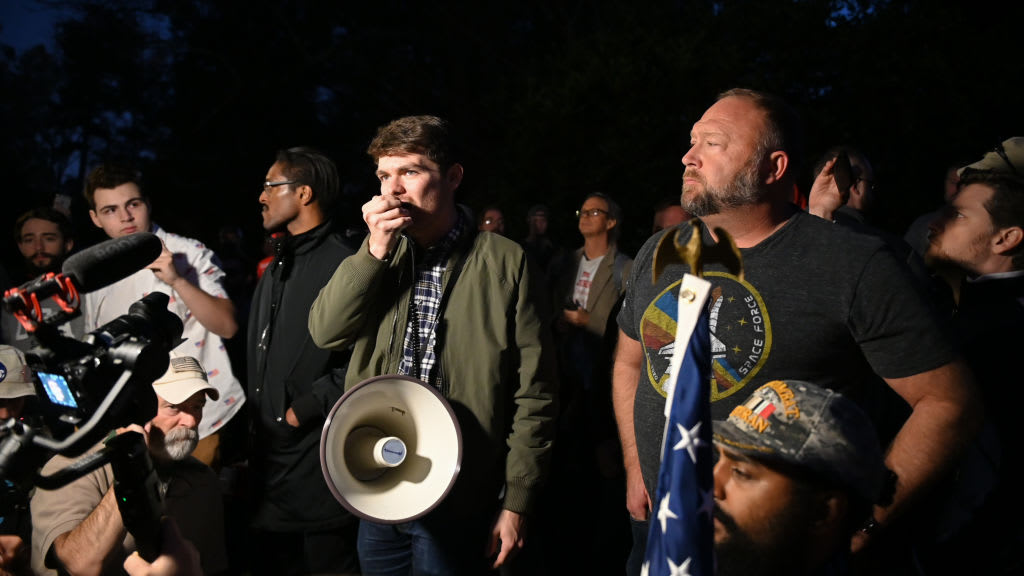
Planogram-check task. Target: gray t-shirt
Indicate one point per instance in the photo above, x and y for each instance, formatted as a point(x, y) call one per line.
point(818, 302)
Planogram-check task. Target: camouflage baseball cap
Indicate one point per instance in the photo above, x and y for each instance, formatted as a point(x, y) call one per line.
point(810, 427)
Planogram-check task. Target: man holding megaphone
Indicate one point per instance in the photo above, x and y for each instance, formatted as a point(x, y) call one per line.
point(428, 296)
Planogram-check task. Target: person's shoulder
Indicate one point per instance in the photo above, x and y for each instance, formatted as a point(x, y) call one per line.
point(177, 242)
point(822, 232)
point(195, 470)
point(338, 244)
point(490, 242)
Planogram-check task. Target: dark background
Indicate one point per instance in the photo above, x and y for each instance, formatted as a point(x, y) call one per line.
point(554, 98)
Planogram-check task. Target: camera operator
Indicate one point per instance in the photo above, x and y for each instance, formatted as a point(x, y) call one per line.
point(16, 389)
point(79, 527)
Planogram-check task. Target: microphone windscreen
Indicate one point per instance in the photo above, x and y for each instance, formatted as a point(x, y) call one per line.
point(112, 260)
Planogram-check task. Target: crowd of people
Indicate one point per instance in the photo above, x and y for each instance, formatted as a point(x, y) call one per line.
point(861, 387)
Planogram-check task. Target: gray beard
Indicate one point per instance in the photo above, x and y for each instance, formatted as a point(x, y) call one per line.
point(178, 444)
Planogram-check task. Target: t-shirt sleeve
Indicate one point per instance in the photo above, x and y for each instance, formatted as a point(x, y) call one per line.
point(890, 318)
point(639, 272)
point(55, 512)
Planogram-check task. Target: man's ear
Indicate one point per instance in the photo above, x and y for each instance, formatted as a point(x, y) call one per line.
point(305, 194)
point(777, 163)
point(68, 245)
point(1007, 239)
point(95, 218)
point(834, 507)
point(454, 176)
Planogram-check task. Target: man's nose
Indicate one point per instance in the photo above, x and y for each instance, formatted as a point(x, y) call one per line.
point(690, 158)
point(188, 419)
point(393, 187)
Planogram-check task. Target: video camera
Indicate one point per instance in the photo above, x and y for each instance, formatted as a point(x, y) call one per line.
point(87, 388)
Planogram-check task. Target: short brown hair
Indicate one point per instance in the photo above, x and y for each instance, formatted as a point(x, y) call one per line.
point(427, 135)
point(783, 129)
point(109, 175)
point(1006, 206)
point(44, 213)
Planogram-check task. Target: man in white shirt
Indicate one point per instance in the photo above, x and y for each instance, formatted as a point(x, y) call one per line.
point(188, 272)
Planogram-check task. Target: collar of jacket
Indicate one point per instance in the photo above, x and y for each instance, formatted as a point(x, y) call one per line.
point(462, 244)
point(302, 243)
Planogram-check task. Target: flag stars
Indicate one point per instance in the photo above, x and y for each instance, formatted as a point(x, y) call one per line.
point(664, 513)
point(689, 440)
point(680, 570)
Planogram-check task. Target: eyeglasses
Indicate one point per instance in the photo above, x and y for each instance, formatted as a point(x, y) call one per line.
point(1002, 154)
point(592, 213)
point(268, 185)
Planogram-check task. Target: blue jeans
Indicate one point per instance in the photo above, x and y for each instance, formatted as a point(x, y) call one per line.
point(421, 548)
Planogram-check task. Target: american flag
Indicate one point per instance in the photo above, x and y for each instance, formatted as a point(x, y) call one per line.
point(681, 537)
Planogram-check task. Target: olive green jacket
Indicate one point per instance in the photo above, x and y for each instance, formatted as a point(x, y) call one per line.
point(494, 352)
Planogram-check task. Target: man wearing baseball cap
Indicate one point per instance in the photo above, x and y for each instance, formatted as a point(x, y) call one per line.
point(799, 469)
point(15, 522)
point(1007, 157)
point(15, 382)
point(78, 526)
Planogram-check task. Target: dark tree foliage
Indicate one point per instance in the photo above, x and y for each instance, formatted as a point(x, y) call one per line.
point(554, 99)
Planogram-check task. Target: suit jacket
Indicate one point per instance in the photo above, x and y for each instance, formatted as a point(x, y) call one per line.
point(603, 294)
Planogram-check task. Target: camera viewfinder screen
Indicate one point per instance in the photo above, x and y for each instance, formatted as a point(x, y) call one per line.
point(57, 389)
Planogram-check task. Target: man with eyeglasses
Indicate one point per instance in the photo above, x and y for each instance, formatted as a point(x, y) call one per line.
point(188, 272)
point(827, 201)
point(589, 290)
point(299, 525)
point(851, 206)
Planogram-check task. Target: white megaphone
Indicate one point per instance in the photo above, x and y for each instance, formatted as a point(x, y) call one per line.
point(391, 449)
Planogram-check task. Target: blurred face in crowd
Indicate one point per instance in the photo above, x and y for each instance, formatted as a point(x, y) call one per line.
point(120, 211)
point(758, 519)
point(595, 218)
point(538, 223)
point(43, 245)
point(668, 217)
point(493, 221)
point(963, 234)
point(722, 165)
point(174, 431)
point(279, 201)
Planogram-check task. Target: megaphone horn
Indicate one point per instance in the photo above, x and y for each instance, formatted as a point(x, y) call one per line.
point(391, 449)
